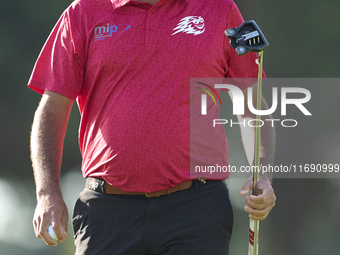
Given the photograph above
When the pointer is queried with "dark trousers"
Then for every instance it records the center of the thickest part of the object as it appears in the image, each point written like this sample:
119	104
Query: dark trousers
194	221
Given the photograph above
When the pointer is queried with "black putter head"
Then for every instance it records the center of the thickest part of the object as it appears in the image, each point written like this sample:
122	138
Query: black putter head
247	37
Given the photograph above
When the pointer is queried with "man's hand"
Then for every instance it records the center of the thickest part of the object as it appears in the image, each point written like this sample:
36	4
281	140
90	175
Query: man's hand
259	206
51	210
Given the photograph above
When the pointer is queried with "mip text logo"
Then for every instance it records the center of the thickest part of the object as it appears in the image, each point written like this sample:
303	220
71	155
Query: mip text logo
102	32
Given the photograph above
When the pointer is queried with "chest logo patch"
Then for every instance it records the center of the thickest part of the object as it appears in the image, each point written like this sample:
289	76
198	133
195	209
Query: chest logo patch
106	30
190	25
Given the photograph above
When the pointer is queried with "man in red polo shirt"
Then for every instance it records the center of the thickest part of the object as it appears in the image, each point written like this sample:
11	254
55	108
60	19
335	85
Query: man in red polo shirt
128	63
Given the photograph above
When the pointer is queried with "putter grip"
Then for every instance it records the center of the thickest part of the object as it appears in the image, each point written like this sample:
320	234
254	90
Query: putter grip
253	247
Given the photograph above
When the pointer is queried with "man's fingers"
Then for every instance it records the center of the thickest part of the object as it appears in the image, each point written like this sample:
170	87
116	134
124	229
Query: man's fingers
267	194
51	210
260	202
259	206
267	191
64	221
257	214
36	223
246	187
58	230
244	192
41	222
269	204
48	240
59	225
43	234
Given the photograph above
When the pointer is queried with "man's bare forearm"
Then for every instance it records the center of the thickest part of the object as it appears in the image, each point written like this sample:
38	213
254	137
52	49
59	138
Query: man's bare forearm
48	132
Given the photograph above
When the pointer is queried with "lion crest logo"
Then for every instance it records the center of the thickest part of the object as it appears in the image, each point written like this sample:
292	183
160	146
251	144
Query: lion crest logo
190	25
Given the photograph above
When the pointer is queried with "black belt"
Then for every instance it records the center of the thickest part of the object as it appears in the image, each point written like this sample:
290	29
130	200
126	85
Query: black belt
99	185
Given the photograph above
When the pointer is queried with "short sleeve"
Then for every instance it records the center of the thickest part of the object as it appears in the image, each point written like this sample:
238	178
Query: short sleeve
245	66
60	65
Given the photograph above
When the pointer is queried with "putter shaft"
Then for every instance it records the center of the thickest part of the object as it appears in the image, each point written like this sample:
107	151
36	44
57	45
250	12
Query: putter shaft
256	174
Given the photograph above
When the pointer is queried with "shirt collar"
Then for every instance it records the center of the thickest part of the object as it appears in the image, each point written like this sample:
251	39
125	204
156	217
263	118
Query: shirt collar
119	3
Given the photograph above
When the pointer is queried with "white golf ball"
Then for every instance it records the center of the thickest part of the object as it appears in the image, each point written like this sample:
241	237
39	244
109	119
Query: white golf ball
50	231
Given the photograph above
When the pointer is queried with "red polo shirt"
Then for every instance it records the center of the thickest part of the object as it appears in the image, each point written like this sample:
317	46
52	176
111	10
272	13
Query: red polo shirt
128	64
